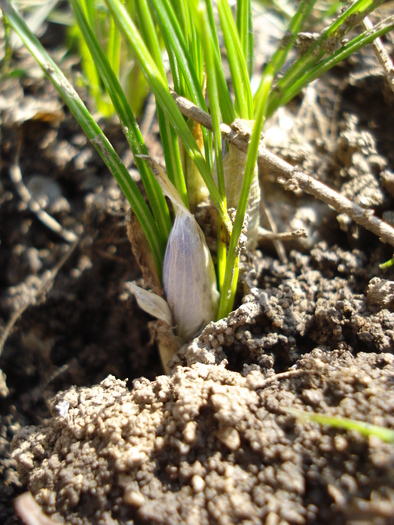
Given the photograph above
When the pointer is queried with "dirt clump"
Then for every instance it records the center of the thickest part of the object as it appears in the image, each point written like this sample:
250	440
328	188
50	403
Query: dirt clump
208	445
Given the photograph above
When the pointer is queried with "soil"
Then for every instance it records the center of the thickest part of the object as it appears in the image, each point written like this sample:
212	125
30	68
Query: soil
91	426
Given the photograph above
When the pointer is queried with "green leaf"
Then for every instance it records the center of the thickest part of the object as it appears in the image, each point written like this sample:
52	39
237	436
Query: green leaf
226	105
186	79
150	44
129	125
175	41
160	89
237	62
333	34
245	31
204	30
341	54
280	55
90	127
366	429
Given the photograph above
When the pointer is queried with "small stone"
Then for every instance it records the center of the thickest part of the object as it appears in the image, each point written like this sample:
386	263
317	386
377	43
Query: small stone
380	293
229	437
189	432
133	497
198	483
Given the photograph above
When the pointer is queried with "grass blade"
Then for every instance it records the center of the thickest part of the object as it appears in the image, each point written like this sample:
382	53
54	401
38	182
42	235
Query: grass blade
129	125
193	42
160	89
323	66
175	41
226	105
168	135
204	30
113	51
279	57
237	62
180	59
366	429
245	31
334	33
230	282
90	127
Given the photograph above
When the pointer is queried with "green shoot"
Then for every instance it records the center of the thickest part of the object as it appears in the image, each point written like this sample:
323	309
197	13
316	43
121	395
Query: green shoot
237	61
245	31
341	54
168	135
129	124
159	87
329	37
366	429
231	273
386	265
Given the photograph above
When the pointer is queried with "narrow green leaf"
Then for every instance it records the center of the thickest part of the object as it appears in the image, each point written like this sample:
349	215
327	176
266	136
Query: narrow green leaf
160	89
232	265
182	67
90	127
168	135
174	40
366	429
237	62
341	54
114	47
129	125
195	47
334	33
280	55
230	282
204	30
245	31
387	264
226	105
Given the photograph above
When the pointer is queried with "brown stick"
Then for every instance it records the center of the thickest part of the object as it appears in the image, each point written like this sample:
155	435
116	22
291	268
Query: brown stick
266	235
30	512
382	55
289	176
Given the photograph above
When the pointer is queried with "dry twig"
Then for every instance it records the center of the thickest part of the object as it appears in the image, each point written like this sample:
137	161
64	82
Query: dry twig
16	177
282	375
289	176
30	512
266	217
382	55
267	235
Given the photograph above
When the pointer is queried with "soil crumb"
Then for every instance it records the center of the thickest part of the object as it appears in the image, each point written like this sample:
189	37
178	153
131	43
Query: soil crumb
211	446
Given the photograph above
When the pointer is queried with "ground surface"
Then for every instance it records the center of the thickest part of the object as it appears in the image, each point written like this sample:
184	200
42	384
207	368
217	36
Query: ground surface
213	442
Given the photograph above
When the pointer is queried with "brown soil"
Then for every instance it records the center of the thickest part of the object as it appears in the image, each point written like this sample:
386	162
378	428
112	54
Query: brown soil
212	443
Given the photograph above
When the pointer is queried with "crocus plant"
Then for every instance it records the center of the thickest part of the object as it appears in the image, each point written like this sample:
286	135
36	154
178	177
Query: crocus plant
191	292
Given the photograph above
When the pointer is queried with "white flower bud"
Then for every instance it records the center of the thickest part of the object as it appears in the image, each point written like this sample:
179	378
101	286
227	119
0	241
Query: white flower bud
189	278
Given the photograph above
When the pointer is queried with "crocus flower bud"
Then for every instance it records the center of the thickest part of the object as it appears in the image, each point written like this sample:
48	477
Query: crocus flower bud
189	278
